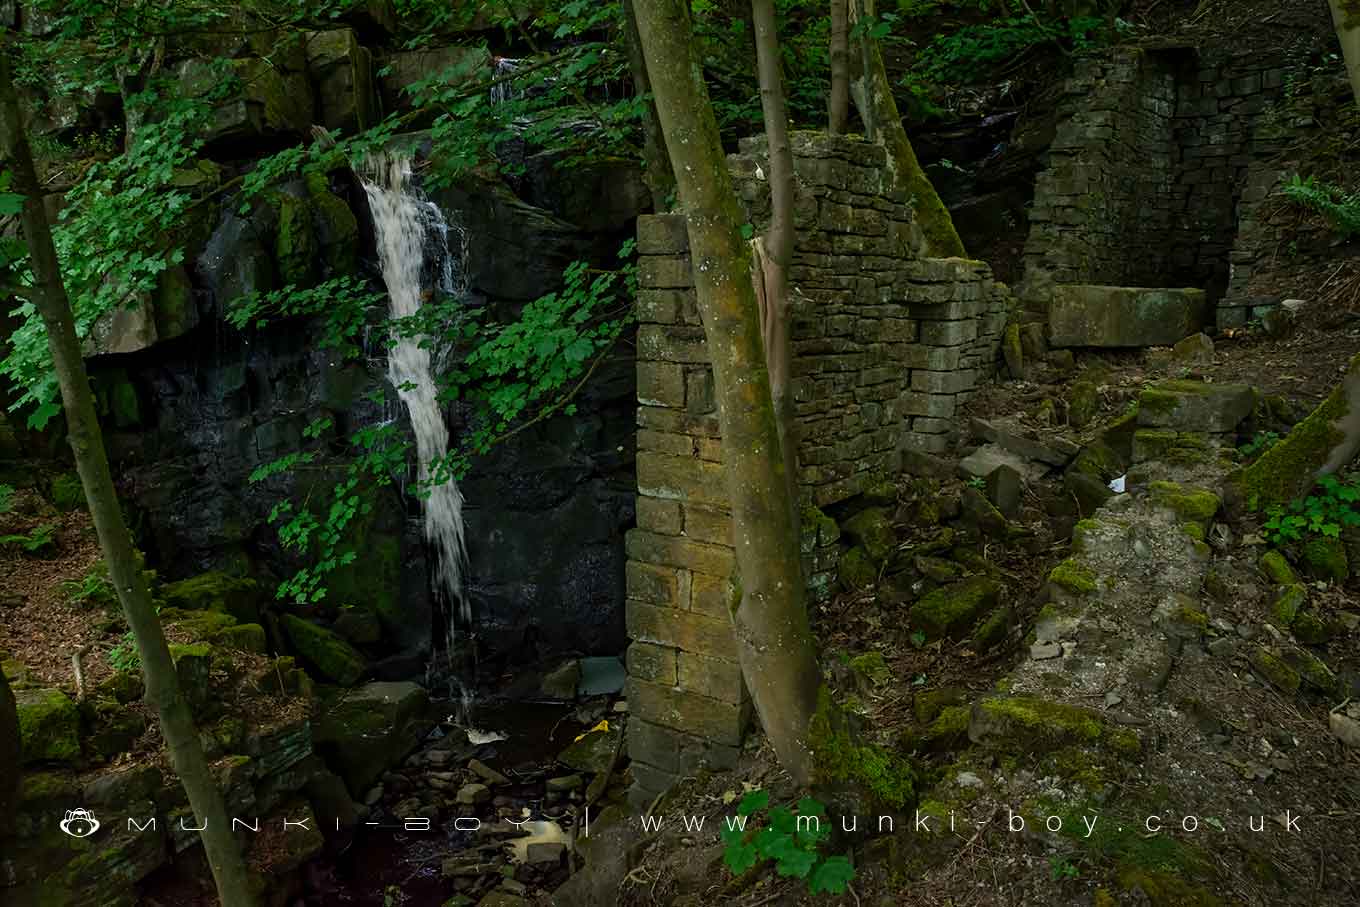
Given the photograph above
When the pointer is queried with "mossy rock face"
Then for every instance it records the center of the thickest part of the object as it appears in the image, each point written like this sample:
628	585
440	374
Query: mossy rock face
856	569
337	229
49	726
1312	630
1013	352
1311	670
980	512
1083	403
111	728
193	667
123	686
1289	467
1033	725
1288	603
1073	576
243	638
994	630
201	625
1274	565
1273	669
1197	505
1163	889
216	591
955	609
1325	559
328	652
67	493
930	703
370	729
1100	461
872	530
888	777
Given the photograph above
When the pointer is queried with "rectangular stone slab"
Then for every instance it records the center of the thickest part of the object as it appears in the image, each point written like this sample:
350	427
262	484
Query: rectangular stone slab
1123	317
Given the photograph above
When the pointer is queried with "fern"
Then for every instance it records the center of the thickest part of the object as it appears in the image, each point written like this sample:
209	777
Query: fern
1339	207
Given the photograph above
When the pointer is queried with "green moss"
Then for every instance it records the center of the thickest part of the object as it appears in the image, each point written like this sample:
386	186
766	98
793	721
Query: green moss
215	591
201	625
49	726
1310	629
1191	504
954	609
839	758
993	630
1274	565
337	227
1073	576
1288	468
871	666
1194	530
872	530
67	492
1325	558
1099	460
1080	765
1083	403
1163	889
243	638
1288	602
818	529
1032	724
329	653
1274	670
856	569
295	247
1312	670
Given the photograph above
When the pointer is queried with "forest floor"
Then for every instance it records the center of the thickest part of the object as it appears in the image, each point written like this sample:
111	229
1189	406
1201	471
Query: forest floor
1218	741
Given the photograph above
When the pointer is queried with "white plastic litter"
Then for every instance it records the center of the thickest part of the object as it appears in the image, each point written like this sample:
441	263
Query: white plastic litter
1117	485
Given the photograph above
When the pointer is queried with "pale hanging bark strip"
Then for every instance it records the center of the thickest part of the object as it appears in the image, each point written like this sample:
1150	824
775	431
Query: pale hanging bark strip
87	443
839	104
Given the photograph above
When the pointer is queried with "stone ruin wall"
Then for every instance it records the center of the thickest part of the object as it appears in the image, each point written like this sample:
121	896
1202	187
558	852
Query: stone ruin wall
1160	165
887	346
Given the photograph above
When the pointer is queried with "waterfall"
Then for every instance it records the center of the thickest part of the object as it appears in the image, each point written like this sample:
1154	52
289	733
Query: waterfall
413	251
505	67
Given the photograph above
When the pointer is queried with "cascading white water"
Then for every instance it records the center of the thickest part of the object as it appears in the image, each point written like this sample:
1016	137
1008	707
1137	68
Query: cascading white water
406	227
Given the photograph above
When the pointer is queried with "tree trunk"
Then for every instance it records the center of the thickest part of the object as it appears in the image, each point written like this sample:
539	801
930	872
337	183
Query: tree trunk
1346	15
162	685
9	757
774	250
656	164
873	97
840	67
1319	445
770	619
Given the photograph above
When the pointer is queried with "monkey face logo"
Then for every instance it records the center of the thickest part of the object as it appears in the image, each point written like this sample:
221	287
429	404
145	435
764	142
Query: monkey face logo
79	823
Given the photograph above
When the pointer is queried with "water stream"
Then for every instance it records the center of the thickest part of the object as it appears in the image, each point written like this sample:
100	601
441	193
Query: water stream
413	250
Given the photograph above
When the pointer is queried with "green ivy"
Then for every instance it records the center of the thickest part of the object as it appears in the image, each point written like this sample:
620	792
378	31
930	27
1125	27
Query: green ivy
1331	508
791	841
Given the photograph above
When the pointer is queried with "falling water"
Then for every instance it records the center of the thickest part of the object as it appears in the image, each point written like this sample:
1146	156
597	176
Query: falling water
406	227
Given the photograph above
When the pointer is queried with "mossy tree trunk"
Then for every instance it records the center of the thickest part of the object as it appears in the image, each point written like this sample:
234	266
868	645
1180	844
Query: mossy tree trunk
656	163
9	756
1319	445
48	294
774	249
1346	15
770	617
839	103
873	96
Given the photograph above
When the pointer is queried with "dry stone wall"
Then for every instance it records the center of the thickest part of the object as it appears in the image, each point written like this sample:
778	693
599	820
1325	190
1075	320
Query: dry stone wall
1159	155
887	345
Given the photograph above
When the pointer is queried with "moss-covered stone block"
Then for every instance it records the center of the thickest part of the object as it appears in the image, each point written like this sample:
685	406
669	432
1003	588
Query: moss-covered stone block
242	638
110	727
1013	352
1195	406
193	667
980	512
818	530
1029	724
1311	670
1083	403
49	726
295	244
1324	558
1311	629
872	530
1288	603
928	704
1272	669
337	229
215	591
1189	503
1274	565
327	652
856	569
840	758
1073	576
953	610
994	629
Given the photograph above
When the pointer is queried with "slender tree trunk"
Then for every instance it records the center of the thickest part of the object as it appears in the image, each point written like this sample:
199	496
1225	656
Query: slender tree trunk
778	659
1319	445
9	757
840	67
1346	15
162	685
873	96
774	249
656	163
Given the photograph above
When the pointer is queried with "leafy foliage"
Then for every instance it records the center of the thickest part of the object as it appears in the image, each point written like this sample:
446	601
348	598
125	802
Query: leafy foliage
35	541
1261	442
123	657
1331	508
92	590
340	303
792	841
6	498
1339	207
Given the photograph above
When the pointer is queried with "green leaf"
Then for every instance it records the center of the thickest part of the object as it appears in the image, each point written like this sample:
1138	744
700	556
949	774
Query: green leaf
753	801
832	876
